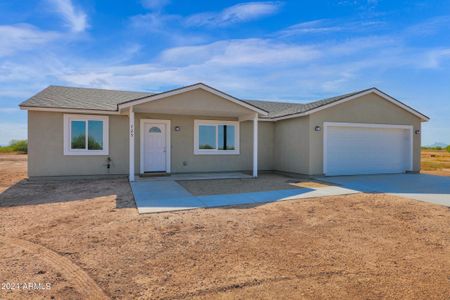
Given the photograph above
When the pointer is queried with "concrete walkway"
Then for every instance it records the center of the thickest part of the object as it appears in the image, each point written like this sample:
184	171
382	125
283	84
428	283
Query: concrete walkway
168	195
422	187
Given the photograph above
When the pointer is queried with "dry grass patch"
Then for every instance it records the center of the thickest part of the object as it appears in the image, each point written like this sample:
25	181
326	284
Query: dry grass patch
436	162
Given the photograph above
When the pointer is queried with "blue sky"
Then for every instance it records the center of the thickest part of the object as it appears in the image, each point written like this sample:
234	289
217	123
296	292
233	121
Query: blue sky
279	50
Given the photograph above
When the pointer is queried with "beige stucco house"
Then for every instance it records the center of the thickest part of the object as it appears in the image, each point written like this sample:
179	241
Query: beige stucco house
81	131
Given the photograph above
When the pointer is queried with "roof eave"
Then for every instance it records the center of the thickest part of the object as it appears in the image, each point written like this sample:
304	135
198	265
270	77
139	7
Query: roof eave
69	110
421	116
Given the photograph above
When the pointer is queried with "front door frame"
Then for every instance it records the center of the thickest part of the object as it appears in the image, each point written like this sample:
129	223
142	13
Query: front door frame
141	140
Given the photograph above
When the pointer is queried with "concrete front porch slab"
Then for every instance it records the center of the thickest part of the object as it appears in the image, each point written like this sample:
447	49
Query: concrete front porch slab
250	198
167	195
196	176
171	204
158	196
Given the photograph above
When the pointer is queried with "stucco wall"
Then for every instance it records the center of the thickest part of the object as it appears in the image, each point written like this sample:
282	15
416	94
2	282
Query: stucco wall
370	108
182	146
46	148
196	102
291	145
46	142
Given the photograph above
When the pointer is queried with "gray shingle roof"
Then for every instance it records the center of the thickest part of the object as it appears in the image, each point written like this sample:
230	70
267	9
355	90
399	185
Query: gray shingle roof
81	98
108	100
281	109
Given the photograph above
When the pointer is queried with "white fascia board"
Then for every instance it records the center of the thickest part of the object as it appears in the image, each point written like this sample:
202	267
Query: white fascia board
70	110
366	125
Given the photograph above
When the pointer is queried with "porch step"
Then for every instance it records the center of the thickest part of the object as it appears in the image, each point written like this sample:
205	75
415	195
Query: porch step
154	174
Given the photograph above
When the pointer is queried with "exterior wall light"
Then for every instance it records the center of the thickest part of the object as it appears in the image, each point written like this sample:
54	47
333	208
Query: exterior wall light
417	131
317	128
177	128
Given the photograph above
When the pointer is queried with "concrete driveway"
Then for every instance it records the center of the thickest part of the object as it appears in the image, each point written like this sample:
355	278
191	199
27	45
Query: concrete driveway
422	187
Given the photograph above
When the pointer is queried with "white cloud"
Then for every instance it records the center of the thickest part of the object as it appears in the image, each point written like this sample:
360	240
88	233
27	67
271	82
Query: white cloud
225	63
238	13
154	22
167	28
155	4
75	18
244	52
20	37
248	67
435	57
12	131
255	67
324	26
430	26
8	109
316	26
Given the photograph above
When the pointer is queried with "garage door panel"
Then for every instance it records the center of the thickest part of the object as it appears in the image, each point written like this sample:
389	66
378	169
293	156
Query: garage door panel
351	150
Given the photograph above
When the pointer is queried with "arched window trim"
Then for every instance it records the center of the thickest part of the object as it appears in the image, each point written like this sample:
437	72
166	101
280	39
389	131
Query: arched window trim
154	129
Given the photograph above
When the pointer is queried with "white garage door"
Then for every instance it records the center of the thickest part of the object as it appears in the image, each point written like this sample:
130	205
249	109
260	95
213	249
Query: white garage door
351	149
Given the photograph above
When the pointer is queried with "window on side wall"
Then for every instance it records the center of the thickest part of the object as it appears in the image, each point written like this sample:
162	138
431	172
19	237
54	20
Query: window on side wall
216	137
85	135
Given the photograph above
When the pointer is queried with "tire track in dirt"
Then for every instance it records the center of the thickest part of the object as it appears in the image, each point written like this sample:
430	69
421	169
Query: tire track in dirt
226	288
82	282
247	284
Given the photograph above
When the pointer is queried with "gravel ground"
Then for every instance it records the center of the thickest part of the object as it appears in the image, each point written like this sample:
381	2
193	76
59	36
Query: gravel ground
86	237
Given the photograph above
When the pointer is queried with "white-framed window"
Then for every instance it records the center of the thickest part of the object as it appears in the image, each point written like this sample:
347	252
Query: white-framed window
85	135
216	137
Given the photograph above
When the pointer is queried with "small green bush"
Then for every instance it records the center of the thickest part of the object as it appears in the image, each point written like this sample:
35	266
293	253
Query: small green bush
20	146
448	148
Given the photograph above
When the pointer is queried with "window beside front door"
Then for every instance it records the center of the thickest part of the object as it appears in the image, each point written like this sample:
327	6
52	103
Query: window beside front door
85	135
216	137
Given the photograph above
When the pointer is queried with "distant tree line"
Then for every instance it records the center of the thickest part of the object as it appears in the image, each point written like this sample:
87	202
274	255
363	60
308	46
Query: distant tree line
439	148
19	146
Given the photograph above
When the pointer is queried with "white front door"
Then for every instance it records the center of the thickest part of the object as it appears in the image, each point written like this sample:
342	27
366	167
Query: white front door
155	147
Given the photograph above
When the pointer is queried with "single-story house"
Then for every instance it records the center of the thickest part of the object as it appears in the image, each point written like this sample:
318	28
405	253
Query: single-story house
197	128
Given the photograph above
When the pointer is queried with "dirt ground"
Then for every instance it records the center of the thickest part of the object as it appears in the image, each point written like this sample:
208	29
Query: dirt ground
436	162
12	169
85	238
265	182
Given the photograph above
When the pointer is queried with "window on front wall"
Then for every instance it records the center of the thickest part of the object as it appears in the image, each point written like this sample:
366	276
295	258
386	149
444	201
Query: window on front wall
216	137
85	135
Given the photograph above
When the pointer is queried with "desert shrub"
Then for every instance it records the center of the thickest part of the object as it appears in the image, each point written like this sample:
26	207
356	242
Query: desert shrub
20	146
448	148
5	149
